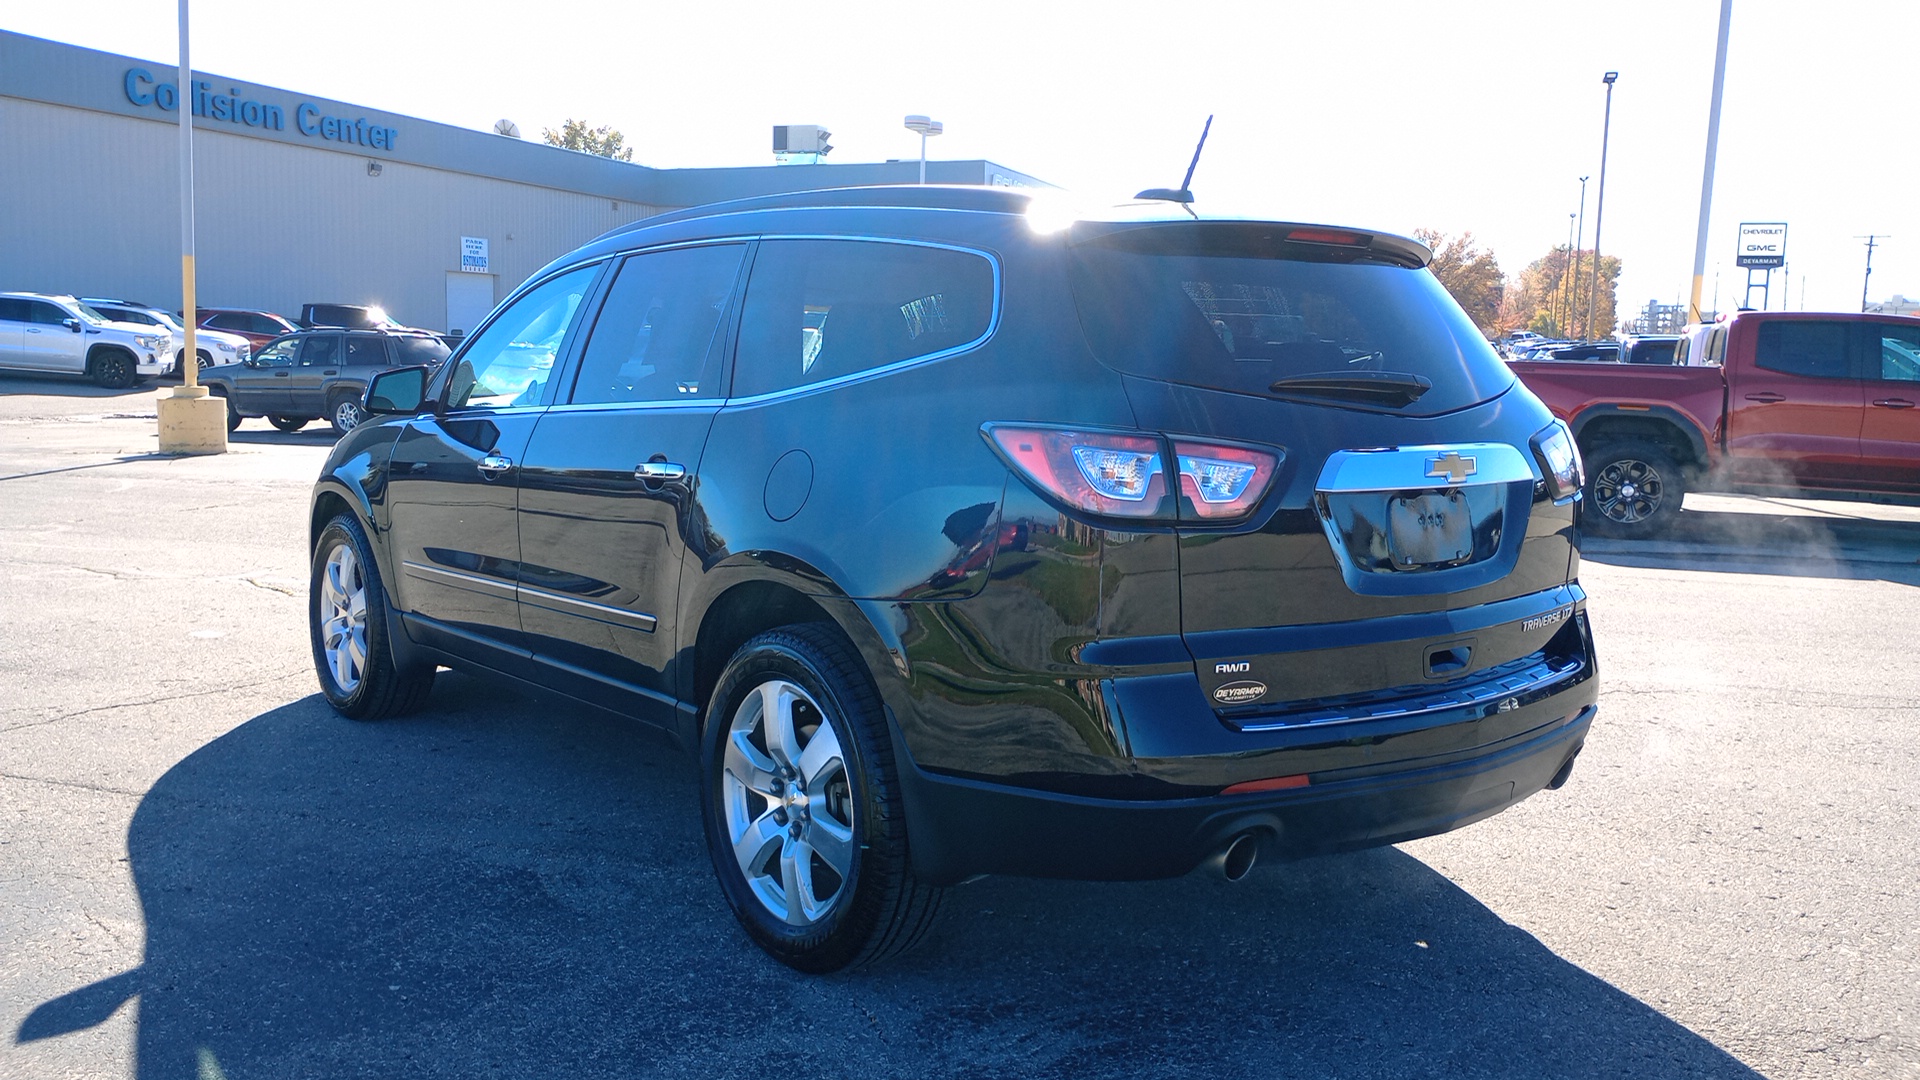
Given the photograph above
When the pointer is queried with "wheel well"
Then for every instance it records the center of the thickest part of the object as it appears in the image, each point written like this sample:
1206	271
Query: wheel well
740	614
100	350
1662	433
328	506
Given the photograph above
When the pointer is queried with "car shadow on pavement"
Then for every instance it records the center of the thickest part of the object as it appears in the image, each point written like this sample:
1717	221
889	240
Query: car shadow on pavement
312	435
1849	542
15	382
499	887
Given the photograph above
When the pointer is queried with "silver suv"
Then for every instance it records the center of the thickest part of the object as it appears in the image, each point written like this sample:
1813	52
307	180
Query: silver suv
212	347
61	335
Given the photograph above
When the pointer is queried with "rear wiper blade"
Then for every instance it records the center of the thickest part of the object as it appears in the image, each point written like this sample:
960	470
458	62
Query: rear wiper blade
1393	389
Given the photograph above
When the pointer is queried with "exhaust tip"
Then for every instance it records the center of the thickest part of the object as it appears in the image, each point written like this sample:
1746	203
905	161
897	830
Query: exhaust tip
1235	861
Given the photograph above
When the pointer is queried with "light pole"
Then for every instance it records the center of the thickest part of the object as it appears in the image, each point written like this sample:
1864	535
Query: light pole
191	422
1600	201
1706	175
1579	240
1565	292
925	127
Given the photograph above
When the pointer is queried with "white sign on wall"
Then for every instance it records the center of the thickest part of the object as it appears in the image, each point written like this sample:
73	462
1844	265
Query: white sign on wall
1763	245
473	254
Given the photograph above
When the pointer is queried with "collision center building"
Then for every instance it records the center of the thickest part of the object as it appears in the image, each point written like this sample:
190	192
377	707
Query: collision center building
303	199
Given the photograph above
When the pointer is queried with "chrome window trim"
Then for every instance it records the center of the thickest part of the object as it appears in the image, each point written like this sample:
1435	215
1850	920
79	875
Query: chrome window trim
993	320
569	605
635	406
1403	468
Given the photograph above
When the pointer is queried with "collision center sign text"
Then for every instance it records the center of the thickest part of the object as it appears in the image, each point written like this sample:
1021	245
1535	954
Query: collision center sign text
143	89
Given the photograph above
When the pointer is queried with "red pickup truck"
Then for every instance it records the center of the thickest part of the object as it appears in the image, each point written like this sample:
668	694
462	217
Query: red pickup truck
1787	402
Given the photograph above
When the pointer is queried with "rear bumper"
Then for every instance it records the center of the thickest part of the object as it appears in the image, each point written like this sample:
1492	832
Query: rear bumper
963	827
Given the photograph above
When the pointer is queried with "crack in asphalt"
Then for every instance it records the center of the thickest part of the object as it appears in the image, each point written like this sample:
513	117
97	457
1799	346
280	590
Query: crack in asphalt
297	672
99	788
271	587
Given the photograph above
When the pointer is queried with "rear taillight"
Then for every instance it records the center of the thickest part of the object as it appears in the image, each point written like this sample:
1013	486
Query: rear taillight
1559	460
1124	474
1221	483
1099	472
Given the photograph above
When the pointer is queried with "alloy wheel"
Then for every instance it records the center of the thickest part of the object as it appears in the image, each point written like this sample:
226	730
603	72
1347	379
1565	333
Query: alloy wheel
343	611
346	415
788	803
1628	491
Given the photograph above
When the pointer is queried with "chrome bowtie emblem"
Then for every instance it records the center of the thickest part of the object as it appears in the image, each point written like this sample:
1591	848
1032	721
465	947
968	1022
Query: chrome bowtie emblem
1452	466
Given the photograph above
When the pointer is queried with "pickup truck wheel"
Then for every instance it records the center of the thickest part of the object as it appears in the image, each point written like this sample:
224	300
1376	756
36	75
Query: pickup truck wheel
802	805
344	413
112	369
1634	490
288	424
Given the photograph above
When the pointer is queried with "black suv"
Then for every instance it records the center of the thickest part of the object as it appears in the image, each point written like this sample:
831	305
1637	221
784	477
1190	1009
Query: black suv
962	538
299	378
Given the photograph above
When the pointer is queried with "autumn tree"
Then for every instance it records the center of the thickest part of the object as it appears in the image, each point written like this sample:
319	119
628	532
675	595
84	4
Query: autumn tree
1470	275
1551	296
576	135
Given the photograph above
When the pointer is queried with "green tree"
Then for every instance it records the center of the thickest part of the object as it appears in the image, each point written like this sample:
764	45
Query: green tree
576	135
1470	275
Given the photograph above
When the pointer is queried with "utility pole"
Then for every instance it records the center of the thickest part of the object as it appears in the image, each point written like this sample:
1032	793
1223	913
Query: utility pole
1706	177
1600	201
1565	292
1870	239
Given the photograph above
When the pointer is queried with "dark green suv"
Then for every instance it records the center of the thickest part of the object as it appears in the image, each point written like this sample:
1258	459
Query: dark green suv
316	374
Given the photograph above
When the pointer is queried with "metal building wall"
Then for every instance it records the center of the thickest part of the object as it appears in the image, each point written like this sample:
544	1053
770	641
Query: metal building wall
279	224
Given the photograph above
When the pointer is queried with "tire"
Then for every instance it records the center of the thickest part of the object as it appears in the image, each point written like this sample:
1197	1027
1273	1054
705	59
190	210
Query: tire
233	414
112	369
288	424
347	624
1634	490
344	413
203	360
836	817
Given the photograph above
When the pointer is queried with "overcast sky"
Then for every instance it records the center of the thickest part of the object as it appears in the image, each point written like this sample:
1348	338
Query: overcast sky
1456	116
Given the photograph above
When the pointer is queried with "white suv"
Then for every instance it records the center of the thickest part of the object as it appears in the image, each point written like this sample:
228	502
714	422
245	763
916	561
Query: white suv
213	347
61	335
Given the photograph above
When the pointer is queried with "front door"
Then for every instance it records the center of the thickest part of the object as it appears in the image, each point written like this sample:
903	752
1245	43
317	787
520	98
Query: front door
50	344
1794	416
260	387
454	477
608	497
1890	427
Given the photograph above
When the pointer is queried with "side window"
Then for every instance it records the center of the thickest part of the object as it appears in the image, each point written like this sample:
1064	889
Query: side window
227	322
510	362
1716	347
1815	350
1680	350
320	349
366	350
1898	358
278	354
12	310
654	337
822	309
39	311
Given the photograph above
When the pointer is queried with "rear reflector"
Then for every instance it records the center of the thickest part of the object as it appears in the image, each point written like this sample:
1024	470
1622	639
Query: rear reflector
1277	783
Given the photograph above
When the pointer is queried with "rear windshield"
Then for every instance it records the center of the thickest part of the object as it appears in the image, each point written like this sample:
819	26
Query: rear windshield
420	351
1230	306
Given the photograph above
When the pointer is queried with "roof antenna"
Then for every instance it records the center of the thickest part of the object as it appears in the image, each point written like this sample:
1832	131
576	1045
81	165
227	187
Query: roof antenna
1185	194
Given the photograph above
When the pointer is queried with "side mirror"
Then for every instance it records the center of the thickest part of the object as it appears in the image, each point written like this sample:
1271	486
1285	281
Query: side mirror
400	392
71	324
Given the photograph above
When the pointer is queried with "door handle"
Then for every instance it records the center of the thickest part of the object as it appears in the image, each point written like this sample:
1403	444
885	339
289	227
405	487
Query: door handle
1894	403
330	372
494	466
659	472
1767	398
280	374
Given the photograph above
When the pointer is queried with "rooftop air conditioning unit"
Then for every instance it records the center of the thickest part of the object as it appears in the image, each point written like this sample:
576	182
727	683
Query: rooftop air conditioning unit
800	139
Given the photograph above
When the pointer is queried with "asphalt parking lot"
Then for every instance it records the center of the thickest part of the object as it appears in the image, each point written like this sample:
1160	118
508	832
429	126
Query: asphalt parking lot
205	873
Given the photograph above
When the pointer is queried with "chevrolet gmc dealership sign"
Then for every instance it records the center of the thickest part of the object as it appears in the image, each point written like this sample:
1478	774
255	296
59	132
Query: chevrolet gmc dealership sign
1763	245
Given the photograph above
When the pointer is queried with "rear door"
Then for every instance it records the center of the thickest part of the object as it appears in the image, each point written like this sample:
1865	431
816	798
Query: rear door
453	478
13	332
1890	427
1794	403
608	490
319	361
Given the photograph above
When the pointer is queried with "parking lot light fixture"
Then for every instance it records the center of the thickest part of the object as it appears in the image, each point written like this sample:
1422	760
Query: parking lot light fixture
925	127
1600	202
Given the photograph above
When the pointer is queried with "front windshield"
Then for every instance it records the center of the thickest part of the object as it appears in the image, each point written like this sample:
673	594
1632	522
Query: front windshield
91	315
